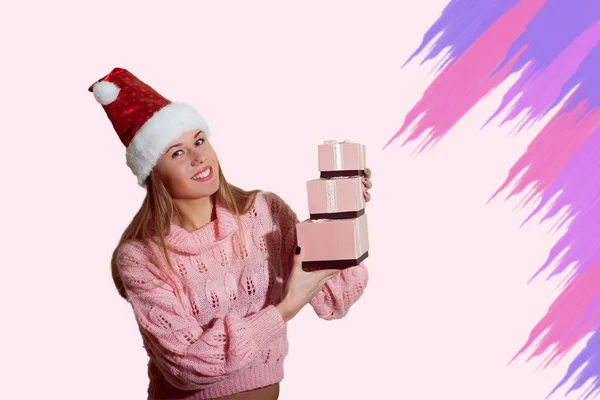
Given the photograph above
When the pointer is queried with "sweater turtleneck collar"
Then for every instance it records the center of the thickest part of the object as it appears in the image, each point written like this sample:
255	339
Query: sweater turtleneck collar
197	241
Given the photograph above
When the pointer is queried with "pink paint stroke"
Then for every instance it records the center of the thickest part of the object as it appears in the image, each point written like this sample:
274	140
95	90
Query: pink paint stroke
556	146
441	106
542	89
568	319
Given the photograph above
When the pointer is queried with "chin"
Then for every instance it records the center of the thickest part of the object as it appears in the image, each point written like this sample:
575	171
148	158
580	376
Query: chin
213	189
206	190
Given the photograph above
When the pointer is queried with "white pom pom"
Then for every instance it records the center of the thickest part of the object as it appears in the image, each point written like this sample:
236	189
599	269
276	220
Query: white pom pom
105	92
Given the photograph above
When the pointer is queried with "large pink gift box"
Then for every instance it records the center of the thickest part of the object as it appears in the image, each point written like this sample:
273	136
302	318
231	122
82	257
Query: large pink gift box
335	198
333	244
341	159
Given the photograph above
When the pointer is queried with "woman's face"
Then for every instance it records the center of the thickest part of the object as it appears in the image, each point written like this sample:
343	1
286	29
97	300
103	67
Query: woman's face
189	168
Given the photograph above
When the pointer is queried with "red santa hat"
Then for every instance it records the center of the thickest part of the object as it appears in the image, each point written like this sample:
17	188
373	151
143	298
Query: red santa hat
145	121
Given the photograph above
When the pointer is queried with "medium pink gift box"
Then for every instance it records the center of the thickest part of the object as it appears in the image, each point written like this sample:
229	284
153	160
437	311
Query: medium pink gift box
341	159
335	198
335	244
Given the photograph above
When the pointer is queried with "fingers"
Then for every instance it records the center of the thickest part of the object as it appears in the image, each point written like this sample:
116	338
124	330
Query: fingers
325	274
298	258
321	274
367	183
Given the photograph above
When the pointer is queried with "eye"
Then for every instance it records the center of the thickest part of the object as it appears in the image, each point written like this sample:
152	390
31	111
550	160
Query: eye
199	140
175	154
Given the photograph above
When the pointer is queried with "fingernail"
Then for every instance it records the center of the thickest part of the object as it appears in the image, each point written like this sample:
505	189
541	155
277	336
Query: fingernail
368	170
366	179
297	250
367	192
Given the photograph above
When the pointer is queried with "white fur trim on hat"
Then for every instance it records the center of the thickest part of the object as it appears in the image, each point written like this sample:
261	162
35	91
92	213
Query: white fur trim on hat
153	138
105	92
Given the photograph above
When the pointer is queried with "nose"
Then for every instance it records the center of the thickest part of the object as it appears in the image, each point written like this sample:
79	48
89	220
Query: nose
198	159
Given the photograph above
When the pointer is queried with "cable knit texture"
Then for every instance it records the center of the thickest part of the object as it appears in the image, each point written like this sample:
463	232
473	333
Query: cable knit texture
217	332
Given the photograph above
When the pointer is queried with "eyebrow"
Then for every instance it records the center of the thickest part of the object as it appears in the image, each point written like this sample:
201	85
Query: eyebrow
179	144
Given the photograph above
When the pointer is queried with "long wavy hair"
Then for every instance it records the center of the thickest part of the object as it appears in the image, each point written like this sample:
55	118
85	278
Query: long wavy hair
154	218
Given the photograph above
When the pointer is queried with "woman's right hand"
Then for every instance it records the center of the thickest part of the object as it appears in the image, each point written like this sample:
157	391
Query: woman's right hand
301	287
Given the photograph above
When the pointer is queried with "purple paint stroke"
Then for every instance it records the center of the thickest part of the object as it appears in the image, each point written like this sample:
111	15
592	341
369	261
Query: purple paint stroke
571	317
548	153
568	320
461	23
589	363
588	79
467	79
576	312
551	30
541	89
590	316
556	49
579	187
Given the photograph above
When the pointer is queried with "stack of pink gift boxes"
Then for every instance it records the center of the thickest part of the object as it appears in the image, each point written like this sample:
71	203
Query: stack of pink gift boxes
336	235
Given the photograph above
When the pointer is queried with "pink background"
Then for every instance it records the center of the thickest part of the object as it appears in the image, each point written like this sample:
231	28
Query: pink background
438	320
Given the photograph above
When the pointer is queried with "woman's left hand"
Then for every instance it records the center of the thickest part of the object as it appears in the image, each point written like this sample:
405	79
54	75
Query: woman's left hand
367	183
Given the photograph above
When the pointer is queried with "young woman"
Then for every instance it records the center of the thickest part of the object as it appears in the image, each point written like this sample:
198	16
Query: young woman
212	272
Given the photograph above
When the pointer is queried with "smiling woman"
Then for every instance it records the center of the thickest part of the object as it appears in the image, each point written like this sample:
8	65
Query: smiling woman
212	272
187	163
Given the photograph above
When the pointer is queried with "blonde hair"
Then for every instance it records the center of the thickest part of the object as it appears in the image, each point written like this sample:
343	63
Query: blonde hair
154	218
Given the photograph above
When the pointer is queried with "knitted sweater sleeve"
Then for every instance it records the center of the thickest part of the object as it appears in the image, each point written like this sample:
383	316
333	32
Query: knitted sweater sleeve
338	293
190	356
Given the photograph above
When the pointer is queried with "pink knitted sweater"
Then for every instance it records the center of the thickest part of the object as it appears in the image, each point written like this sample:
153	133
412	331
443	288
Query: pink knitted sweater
218	333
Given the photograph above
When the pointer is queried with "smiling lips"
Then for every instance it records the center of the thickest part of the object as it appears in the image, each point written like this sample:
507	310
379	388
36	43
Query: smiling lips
203	175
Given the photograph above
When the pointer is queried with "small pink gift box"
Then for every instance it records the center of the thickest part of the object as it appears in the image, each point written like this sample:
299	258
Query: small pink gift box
333	244
335	198
341	159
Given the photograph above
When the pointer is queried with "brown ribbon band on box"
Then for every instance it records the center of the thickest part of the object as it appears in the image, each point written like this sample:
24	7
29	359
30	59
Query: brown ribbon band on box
333	264
341	174
338	215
